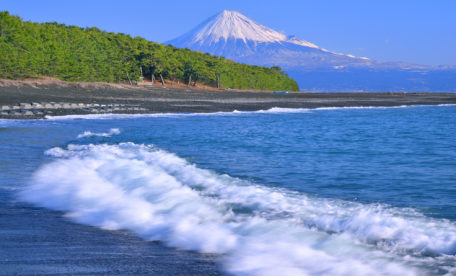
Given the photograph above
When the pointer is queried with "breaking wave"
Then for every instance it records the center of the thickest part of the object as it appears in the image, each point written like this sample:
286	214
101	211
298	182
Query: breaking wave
154	115
112	131
257	230
273	110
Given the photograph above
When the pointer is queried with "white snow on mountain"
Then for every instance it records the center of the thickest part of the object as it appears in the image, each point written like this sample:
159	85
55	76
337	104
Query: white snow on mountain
231	24
234	25
237	37
298	41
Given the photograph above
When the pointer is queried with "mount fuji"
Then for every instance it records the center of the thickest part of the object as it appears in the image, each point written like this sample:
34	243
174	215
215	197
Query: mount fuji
234	36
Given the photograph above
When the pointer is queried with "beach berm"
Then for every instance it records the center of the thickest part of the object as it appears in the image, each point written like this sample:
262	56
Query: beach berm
32	99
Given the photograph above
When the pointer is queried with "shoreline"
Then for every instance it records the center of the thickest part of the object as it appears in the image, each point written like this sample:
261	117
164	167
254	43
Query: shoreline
274	110
36	100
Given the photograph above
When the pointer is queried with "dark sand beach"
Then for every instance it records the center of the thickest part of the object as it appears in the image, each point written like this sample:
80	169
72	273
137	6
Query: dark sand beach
99	98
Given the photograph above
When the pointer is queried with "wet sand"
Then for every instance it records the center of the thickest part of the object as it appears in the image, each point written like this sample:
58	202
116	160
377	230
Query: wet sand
157	99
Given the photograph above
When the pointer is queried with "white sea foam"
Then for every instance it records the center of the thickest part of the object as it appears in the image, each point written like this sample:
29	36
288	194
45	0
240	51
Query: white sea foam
273	110
155	115
112	131
284	110
130	116
259	230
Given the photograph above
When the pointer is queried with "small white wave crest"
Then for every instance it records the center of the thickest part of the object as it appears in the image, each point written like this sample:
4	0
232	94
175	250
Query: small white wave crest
158	115
260	230
273	110
112	131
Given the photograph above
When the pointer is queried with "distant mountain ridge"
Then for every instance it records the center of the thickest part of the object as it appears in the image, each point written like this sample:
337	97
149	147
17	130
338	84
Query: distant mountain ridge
234	36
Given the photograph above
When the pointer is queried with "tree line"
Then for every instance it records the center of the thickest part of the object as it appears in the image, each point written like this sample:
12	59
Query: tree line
71	53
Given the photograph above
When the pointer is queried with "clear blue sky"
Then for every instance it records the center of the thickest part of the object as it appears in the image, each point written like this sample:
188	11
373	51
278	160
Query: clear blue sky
416	31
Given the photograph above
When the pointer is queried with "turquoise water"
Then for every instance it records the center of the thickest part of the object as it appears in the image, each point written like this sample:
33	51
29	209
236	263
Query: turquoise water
354	191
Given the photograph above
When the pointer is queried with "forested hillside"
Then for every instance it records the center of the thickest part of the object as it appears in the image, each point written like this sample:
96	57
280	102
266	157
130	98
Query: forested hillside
71	53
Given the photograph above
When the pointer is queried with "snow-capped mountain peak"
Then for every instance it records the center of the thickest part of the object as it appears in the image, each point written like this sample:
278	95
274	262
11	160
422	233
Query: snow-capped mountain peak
234	25
235	36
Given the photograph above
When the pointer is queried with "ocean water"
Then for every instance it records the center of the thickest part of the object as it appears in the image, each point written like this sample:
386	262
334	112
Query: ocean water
332	191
